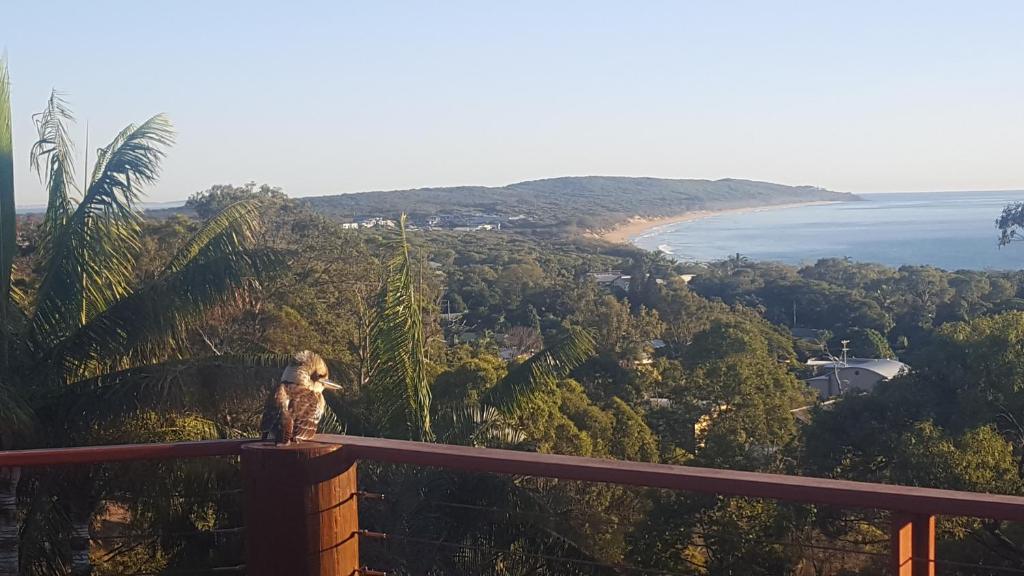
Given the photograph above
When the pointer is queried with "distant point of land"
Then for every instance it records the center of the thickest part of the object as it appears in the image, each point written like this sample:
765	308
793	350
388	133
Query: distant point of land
598	204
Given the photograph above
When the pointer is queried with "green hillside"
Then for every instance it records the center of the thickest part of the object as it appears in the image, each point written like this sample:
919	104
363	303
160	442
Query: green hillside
594	202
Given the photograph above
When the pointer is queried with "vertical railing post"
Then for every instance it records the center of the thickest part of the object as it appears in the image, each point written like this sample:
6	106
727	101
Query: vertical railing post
912	544
299	521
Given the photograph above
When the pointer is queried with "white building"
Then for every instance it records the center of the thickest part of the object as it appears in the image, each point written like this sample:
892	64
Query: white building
836	377
607	277
659	402
377	222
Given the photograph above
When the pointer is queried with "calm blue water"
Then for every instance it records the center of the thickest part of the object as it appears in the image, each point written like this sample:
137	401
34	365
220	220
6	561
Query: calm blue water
951	230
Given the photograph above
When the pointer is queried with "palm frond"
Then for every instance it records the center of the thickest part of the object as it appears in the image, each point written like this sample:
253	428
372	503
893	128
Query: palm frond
45	543
8	222
151	324
52	157
136	152
229	231
480	426
17	419
556	361
202	386
398	379
93	261
332	423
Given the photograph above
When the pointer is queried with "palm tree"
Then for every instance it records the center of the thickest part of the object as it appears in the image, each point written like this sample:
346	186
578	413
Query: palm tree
395	402
10	412
396	399
398	360
93	339
736	262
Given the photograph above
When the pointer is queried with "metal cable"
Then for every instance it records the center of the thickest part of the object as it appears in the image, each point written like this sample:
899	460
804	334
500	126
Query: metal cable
193	572
482	548
144	535
702	534
972	565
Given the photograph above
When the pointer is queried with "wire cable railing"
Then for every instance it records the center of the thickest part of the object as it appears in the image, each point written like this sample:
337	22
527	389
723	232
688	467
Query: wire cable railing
392	549
175	522
875	550
135	518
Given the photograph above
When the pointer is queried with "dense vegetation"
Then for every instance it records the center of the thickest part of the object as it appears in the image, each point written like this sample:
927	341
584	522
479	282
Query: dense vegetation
591	202
121	328
729	368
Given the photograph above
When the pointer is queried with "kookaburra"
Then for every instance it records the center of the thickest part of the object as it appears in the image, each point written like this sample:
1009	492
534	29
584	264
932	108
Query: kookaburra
296	404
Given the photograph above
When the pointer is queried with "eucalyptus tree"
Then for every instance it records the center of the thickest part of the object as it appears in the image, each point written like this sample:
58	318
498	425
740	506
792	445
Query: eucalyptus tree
1011	223
92	340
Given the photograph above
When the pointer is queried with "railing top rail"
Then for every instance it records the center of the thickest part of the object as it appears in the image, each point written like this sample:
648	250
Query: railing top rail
844	493
119	453
804	489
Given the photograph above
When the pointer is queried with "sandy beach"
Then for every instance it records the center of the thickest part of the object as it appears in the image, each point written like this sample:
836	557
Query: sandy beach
638	226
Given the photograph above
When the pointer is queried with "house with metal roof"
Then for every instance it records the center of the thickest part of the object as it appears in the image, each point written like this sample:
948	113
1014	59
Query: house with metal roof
838	376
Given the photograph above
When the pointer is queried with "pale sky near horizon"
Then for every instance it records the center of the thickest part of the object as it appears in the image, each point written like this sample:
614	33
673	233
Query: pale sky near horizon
331	97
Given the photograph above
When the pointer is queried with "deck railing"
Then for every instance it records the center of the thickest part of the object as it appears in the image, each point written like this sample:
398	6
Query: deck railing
301	500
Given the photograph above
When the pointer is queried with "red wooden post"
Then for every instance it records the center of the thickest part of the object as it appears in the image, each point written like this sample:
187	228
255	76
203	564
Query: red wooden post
912	539
299	520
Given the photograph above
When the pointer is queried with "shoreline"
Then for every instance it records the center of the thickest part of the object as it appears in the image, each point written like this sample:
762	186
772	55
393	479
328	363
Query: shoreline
626	232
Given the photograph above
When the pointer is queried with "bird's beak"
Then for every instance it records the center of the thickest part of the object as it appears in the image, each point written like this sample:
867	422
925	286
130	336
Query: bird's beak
330	385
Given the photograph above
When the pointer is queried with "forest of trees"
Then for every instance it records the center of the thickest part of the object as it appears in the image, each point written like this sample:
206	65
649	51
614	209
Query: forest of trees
120	328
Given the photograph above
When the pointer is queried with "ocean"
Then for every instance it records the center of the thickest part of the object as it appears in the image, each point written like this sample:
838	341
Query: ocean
950	230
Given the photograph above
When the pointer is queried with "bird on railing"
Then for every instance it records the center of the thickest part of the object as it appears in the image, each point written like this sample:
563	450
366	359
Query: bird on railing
296	404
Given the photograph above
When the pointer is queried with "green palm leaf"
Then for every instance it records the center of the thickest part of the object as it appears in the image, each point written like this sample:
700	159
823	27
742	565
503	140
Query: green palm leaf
93	259
194	385
16	418
227	232
151	324
8	223
401	391
52	158
544	368
135	153
479	426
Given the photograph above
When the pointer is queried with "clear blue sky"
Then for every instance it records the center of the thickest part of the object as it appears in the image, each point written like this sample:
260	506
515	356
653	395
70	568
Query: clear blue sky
329	97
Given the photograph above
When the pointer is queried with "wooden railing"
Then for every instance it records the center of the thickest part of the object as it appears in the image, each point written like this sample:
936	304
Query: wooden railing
302	510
